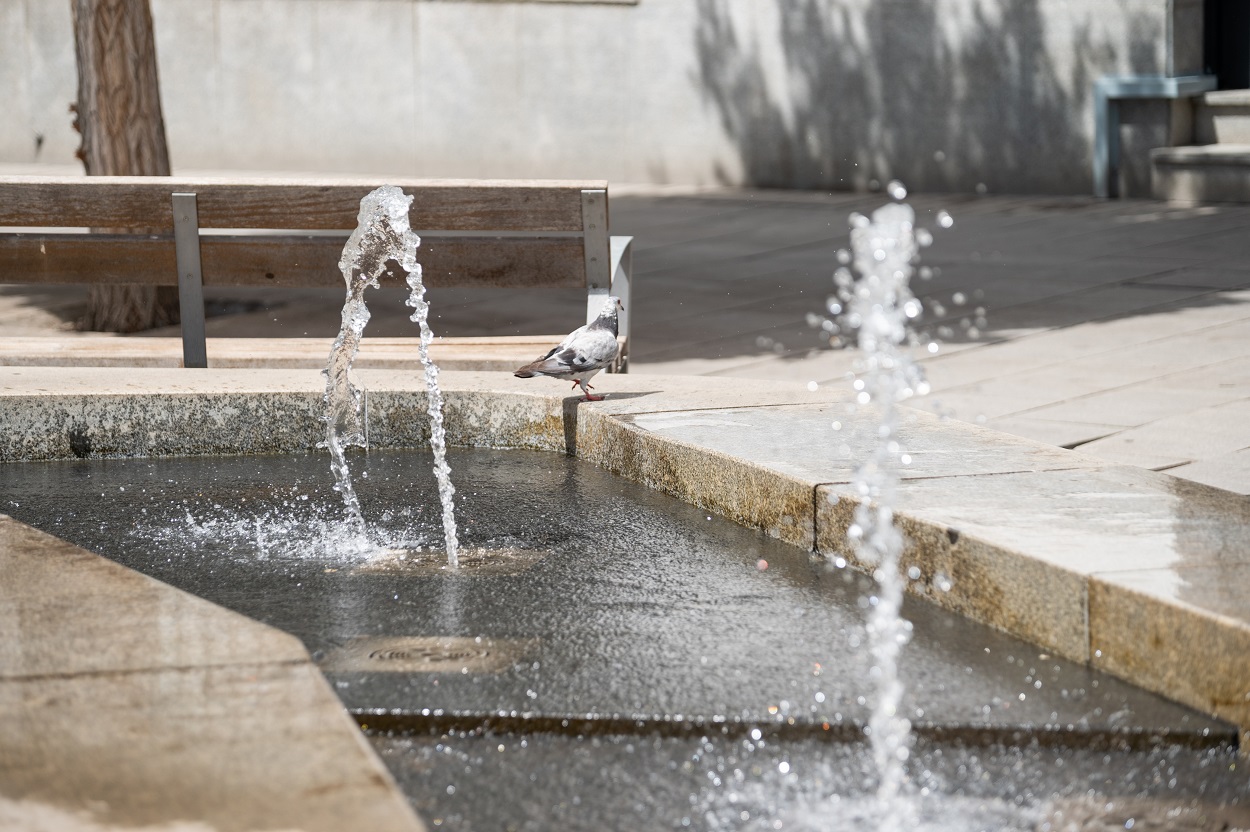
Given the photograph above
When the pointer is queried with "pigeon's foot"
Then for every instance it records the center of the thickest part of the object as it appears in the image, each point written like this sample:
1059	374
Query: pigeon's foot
591	397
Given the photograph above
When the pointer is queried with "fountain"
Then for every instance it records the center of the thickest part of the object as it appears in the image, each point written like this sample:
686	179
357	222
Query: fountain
382	235
656	666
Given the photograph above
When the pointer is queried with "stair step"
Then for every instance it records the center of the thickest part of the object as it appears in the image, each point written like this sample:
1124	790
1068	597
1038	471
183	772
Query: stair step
1223	117
1227	98
1201	173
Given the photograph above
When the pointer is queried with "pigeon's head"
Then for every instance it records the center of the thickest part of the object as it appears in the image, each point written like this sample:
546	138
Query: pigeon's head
610	306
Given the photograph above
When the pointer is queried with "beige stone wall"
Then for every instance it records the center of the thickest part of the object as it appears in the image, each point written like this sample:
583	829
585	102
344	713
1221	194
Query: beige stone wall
944	94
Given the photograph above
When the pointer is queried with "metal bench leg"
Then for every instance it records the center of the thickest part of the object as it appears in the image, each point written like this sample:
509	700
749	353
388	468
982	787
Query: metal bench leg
190	280
622	259
1106	143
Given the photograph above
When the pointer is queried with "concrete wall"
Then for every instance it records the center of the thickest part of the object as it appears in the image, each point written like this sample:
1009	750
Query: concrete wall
944	94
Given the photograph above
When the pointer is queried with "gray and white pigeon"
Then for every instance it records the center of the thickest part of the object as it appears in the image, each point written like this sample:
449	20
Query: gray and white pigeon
584	352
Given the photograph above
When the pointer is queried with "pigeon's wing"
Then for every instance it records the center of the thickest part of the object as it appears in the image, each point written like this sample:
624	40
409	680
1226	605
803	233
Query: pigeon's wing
585	350
549	364
593	350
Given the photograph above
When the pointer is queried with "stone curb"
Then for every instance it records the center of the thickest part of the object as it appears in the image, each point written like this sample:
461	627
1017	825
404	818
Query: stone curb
127	703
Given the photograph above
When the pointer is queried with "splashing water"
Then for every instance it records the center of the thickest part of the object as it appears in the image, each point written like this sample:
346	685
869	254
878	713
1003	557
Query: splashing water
878	306
382	233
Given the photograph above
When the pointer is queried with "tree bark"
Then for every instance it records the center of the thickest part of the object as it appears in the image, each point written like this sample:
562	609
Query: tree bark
123	134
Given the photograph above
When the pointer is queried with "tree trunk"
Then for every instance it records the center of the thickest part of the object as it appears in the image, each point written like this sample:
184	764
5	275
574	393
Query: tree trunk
123	134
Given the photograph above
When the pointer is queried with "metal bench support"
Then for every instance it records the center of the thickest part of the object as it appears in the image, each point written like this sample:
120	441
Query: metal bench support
609	266
622	249
190	280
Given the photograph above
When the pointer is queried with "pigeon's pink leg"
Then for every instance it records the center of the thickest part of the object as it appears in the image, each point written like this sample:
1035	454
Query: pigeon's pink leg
589	397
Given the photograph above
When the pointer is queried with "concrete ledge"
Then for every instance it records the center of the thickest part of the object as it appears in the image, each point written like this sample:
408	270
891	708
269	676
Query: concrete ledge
1063	550
126	703
94	350
1201	173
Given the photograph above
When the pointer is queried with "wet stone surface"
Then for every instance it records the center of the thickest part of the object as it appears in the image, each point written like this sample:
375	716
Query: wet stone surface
638	614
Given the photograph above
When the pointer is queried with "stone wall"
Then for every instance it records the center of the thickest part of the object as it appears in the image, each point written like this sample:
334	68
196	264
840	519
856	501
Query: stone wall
943	94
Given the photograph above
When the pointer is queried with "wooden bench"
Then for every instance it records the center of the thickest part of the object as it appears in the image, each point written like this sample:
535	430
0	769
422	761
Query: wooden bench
290	233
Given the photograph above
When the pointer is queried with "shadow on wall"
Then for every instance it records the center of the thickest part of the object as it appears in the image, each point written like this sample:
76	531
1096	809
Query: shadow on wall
879	92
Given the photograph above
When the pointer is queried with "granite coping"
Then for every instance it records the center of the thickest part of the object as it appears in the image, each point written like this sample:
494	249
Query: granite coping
1078	556
126	703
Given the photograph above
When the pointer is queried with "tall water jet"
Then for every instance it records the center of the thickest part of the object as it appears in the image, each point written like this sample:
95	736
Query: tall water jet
382	234
878	307
438	436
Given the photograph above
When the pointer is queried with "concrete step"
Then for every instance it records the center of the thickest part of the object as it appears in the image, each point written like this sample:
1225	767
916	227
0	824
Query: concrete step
1201	173
1223	117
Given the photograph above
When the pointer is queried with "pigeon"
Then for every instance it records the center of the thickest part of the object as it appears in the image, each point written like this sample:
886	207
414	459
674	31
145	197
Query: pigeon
583	352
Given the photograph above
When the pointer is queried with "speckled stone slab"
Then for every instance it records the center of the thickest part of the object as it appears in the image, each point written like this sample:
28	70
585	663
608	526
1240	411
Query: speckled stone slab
126	703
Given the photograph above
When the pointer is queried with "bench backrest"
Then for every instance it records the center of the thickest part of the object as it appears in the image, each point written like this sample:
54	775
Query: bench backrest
290	232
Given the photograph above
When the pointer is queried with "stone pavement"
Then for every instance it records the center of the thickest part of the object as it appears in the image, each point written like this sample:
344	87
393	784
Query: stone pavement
1122	328
1119	327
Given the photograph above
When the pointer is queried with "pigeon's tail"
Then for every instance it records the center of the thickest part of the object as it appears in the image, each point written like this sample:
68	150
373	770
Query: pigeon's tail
525	372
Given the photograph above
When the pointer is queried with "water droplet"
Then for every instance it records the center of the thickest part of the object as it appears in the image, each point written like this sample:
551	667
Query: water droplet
982	189
959	298
761	564
813	386
945	220
897	190
923	238
939	156
783	767
844	256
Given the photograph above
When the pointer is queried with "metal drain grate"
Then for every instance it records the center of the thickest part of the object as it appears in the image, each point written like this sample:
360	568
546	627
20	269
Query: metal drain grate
432	654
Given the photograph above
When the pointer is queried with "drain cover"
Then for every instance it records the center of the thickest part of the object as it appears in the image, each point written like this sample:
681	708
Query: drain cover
474	561
432	654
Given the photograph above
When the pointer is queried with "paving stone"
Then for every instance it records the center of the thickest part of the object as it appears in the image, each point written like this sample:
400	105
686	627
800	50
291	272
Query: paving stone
1134	405
127	703
1206	433
1065	434
122	621
238	747
1229	471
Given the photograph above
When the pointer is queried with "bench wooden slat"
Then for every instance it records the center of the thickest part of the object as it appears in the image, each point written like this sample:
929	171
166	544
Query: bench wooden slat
283	260
144	202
